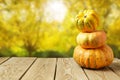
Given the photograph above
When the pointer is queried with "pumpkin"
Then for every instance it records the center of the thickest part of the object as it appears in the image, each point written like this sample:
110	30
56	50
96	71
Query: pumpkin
87	20
91	40
93	58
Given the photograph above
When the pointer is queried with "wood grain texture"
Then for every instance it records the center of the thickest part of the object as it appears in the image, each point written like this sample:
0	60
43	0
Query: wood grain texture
115	66
17	68
42	69
101	74
68	69
2	59
14	68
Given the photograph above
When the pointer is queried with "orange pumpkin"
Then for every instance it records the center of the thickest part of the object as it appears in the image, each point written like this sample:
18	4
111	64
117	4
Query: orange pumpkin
87	20
93	58
91	40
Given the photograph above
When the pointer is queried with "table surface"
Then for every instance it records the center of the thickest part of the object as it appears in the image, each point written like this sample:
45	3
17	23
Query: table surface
32	68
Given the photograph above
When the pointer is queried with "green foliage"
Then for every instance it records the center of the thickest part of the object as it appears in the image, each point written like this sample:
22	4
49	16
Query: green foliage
25	32
114	36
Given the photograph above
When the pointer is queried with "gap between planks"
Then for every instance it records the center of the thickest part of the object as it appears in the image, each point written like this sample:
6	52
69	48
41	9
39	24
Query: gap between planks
67	64
55	68
115	66
14	68
42	69
27	69
111	72
3	59
68	69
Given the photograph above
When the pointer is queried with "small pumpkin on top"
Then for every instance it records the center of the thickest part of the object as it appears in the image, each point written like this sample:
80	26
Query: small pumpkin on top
87	20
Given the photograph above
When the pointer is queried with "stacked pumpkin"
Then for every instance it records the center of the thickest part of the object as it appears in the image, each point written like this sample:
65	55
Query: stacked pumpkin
92	51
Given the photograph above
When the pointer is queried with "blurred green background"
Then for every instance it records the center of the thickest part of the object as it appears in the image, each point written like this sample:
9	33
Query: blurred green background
46	28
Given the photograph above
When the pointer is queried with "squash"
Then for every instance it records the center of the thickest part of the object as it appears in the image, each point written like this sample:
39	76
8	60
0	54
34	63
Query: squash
91	40
87	20
93	58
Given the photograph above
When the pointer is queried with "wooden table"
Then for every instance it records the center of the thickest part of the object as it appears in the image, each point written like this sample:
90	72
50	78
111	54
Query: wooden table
25	68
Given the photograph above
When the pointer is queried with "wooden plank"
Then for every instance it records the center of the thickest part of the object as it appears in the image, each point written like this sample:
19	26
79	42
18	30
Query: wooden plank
14	68
2	59
42	69
102	74
115	66
68	69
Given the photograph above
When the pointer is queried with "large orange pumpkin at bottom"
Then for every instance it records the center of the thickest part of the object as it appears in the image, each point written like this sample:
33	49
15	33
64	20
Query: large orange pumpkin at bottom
93	58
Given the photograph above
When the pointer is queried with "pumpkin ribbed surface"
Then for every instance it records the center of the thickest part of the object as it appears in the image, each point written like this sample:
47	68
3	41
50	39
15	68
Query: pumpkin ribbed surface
93	58
91	40
87	20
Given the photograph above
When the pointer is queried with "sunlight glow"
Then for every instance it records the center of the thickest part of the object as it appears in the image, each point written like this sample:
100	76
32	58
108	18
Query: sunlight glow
55	11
